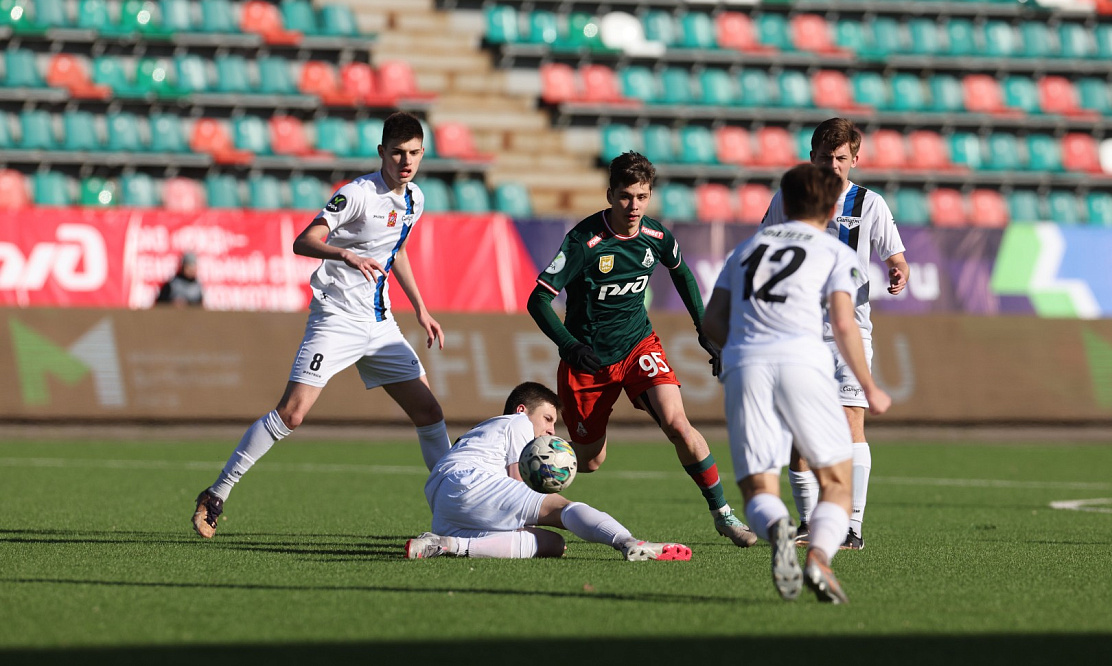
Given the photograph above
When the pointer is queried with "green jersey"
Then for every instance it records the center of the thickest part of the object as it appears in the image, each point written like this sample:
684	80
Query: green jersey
606	277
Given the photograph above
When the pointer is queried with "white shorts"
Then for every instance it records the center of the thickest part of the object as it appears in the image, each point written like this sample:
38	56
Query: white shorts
333	342
849	389
473	503
770	405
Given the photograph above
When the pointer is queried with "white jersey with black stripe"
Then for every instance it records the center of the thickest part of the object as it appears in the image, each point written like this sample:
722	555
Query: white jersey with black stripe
862	221
369	219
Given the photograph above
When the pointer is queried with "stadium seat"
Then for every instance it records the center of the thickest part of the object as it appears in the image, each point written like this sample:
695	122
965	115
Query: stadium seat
1023	206
733	145
177	15
299	13
51	189
250	134
264	19
1003	153
923	37
810	32
1000	39
850	34
1075	41
657	143
773	31
717	87
600	86
138	190
947	94
68	71
1103	37
264	192
927	151
1099	207
1044	154
454	141
335	135
210	136
368	135
502	24
660	27
775	147
336	20
37	130
803	143
618	139
756	90
675	87
677	203
13	190
1080	153
638	82
734	30
109	71
831	90
1035	40
542	27
275	77
432	150
910	207
396	79
1063	207
870	89
167	134
307	193
947	208
124	133
143	17
182	195
987	209
697	32
223	191
7	142
960	38
753	201
319	79
471	196
1104	153
156	77
1021	94
886	36
558	83
513	199
97	192
94	15
794	89
51	14
1058	95
231	75
1093	95
714	203
288	137
887	151
907	94
21	70
438	199
192	74
696	145
982	94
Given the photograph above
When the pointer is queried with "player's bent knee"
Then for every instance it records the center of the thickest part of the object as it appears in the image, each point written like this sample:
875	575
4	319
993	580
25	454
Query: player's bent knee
291	418
549	544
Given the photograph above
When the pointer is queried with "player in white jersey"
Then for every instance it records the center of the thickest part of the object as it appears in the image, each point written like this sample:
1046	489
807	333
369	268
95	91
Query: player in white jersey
861	221
360	237
481	507
766	312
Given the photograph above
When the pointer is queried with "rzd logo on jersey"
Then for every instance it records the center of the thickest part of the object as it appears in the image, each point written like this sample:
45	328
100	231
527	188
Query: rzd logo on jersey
77	262
606	263
635	287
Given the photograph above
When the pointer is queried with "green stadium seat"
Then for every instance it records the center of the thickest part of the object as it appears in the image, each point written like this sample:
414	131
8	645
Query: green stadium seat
1075	41
618	139
717	87
37	129
910	207
156	77
51	189
584	32
429	140
21	69
1103	38
513	199
94	15
1003	152
222	191
123	133
803	143
870	89
697	146
638	82
167	134
675	86
697	31
338	21
886	37
1023	206
6	140
1044	153
1035	40
502	25
368	134
960	38
438	199
661	27
264	192
1099	207
139	190
307	192
275	77
923	37
1063	207
217	16
192	74
851	35
231	75
250	133
471	196
756	90
773	30
97	192
51	13
299	14
1020	92
947	95
177	15
109	71
657	143
966	150
1000	39
542	28
336	136
142	16
795	89
907	93
1093	94
677	202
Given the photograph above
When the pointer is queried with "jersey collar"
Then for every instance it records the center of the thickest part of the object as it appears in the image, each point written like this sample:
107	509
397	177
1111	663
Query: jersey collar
615	234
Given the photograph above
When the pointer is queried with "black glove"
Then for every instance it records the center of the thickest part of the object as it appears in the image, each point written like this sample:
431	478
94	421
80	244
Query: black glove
715	354
581	357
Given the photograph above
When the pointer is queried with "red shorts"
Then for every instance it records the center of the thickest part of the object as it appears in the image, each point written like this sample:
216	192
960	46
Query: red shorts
589	399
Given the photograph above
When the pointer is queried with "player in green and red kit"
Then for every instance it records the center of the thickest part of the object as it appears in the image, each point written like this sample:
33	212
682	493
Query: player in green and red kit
607	342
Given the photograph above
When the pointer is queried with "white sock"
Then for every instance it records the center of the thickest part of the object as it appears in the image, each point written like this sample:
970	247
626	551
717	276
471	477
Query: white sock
434	442
763	510
590	524
829	524
862	464
805	492
516	545
255	443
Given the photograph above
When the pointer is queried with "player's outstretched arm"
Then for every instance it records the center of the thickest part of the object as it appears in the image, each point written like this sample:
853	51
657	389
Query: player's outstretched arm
847	335
898	273
577	354
716	320
311	243
404	272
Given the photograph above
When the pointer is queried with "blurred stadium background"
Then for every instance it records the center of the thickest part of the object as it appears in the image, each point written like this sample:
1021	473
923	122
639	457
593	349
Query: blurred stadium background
132	131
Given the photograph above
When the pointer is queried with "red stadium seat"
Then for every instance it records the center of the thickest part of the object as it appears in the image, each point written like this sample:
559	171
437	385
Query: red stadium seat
67	71
735	30
13	190
947	208
1080	153
733	145
600	86
263	18
183	194
988	209
714	203
753	200
1058	95
319	79
928	151
887	151
287	137
831	90
210	136
810	32
454	141
396	79
558	84
982	94
775	147
360	79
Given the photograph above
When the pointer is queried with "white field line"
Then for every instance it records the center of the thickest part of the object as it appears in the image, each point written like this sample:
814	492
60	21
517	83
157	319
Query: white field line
414	470
1091	505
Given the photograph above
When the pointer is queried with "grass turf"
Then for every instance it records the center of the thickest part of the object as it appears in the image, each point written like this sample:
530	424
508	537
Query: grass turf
964	560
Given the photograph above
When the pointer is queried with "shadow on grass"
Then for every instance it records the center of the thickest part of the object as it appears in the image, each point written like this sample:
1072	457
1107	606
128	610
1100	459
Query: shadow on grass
911	650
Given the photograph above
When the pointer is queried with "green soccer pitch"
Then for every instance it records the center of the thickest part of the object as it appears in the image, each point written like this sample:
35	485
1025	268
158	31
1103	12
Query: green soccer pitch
966	561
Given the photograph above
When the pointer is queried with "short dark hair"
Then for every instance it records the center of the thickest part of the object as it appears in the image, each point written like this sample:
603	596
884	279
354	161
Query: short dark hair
401	127
834	133
532	395
809	191
629	169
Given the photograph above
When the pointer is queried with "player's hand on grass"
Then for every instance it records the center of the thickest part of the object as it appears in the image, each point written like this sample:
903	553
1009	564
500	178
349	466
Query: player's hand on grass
715	354
581	357
365	265
432	329
896	281
879	401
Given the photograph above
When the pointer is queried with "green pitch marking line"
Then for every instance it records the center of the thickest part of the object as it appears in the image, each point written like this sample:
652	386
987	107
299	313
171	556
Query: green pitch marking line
1096	505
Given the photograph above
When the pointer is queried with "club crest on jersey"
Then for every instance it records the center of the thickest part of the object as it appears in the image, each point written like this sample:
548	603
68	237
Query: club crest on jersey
336	204
392	219
659	235
606	263
648	260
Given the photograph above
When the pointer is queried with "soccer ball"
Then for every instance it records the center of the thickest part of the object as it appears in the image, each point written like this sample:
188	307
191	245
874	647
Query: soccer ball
547	464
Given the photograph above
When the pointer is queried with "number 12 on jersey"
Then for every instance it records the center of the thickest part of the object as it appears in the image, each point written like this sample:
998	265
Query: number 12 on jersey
751	263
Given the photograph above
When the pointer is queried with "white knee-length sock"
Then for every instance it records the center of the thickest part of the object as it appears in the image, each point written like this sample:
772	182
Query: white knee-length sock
763	510
434	442
255	443
805	492
590	524
829	524
862	464
516	545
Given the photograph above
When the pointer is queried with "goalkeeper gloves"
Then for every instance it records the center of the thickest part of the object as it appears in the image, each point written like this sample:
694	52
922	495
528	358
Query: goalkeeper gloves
581	357
715	354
